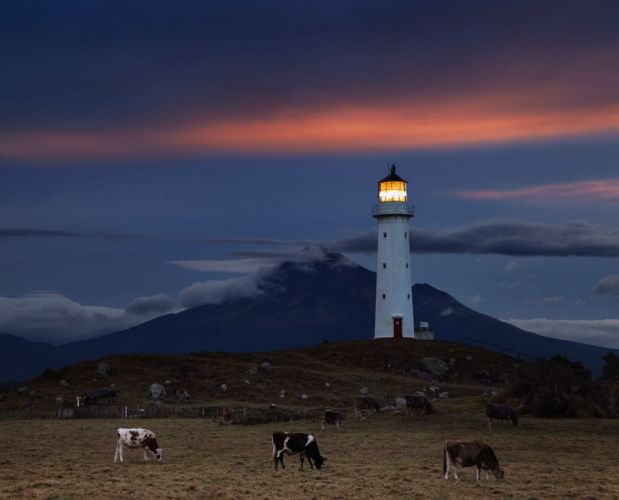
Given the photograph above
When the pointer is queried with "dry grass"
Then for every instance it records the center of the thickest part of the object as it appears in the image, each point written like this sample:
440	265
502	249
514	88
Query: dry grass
387	456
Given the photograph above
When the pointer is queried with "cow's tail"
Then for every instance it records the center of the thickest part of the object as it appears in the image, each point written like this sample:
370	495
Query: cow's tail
444	458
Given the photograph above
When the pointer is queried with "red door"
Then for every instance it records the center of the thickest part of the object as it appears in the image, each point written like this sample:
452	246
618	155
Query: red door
397	328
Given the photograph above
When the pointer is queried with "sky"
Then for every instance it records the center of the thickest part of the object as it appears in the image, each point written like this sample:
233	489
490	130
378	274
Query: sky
156	155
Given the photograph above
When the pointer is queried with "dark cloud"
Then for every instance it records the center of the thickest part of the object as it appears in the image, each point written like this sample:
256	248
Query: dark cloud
98	64
503	238
607	286
155	304
26	233
52	233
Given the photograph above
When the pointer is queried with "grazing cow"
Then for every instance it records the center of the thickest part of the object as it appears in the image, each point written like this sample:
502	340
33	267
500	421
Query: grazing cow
365	403
137	438
332	418
501	412
469	453
418	402
299	442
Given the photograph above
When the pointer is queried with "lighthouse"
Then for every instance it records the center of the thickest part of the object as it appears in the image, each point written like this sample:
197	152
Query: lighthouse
394	300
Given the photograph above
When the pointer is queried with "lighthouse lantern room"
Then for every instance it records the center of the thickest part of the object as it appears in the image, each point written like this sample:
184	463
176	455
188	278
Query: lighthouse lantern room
394	300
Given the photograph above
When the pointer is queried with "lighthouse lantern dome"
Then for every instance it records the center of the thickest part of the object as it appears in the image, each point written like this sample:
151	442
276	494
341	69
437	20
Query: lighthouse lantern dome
392	188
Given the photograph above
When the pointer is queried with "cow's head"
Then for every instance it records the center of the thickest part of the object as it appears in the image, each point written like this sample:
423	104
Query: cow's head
499	473
318	461
159	453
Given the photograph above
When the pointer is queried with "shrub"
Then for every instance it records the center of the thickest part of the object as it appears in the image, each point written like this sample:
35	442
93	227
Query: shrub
555	387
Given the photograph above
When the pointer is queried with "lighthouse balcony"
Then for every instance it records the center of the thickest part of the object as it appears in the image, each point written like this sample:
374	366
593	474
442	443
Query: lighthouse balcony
393	208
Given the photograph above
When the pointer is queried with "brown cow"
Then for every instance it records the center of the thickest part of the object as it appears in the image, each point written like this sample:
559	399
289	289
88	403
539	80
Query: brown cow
365	403
469	453
418	402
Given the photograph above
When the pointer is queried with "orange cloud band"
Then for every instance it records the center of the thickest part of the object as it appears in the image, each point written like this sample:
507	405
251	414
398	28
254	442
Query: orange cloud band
602	191
345	129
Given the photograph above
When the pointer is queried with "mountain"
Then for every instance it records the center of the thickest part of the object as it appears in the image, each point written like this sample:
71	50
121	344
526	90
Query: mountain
21	359
457	323
300	304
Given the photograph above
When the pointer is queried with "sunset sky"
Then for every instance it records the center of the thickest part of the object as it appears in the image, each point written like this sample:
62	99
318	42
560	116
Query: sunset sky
149	146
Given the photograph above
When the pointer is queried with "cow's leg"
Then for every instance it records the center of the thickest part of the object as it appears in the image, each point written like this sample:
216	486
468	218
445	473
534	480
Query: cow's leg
490	423
120	452
146	457
117	453
323	425
338	424
478	471
447	465
280	456
487	476
310	462
302	455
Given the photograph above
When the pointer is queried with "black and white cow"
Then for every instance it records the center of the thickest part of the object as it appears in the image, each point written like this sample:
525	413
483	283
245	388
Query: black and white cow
331	417
501	412
137	438
296	443
467	454
365	403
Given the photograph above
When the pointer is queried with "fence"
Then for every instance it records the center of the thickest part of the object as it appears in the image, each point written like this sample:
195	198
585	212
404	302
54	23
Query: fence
233	415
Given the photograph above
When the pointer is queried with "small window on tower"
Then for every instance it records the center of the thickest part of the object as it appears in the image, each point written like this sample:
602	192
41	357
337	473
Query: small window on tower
407	265
406	235
384	266
384	235
384	296
409	296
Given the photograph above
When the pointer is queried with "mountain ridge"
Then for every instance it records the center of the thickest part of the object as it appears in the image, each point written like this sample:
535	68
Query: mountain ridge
298	304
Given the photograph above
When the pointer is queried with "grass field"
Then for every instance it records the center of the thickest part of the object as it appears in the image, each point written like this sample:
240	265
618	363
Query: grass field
386	456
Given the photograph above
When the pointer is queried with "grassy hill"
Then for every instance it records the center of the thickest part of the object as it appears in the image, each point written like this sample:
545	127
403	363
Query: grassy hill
329	374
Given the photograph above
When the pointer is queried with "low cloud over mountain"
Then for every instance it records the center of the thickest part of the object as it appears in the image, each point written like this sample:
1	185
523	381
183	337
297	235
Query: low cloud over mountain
607	286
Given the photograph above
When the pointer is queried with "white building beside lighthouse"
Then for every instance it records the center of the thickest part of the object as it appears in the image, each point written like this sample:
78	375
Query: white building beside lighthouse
394	299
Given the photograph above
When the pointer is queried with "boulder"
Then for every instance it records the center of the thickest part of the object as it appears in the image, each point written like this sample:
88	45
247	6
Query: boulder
468	357
22	389
103	369
282	393
435	366
387	408
63	383
400	402
433	388
223	387
253	370
443	395
304	397
157	390
266	367
327	384
364	390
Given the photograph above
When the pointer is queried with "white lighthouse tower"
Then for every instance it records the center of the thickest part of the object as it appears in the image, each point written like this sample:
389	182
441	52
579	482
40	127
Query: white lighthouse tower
394	300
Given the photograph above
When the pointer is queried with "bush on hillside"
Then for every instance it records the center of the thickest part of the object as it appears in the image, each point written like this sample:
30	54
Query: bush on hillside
610	371
555	387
